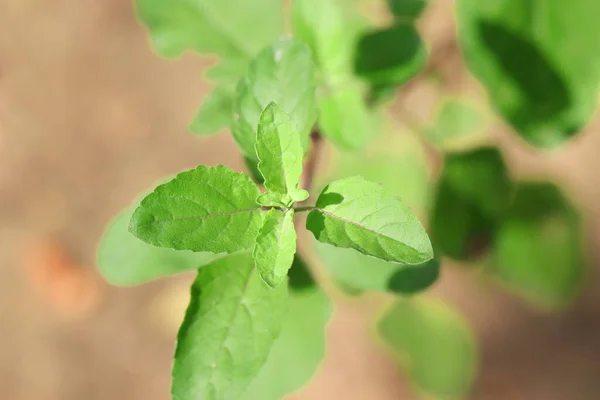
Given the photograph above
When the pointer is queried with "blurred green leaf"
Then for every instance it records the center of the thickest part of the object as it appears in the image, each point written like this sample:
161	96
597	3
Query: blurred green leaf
282	73
407	9
125	260
345	119
539	61
538	248
232	29
473	192
331	33
434	344
214	114
300	348
457	124
230	325
358	271
204	209
390	55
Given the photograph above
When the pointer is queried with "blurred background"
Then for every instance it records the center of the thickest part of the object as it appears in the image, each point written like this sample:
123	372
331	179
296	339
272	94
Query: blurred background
90	117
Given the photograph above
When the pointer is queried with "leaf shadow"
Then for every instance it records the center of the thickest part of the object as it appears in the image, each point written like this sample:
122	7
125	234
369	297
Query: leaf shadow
315	222
414	278
300	276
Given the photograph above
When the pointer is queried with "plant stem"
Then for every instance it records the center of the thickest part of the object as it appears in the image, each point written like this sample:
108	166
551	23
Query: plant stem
304	208
311	163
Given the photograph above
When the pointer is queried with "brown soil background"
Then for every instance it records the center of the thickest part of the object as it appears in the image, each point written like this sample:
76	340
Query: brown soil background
90	117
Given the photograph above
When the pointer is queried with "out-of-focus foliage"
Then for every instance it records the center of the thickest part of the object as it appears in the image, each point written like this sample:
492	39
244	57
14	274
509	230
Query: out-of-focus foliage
472	195
538	246
434	344
458	124
539	61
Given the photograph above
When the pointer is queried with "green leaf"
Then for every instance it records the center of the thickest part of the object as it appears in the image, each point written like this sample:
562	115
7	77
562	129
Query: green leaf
275	246
231	323
434	344
391	55
397	160
344	118
539	61
205	209
355	213
252	167
280	154
331	35
407	9
232	29
215	113
458	123
284	74
364	273
473	193
300	347
124	260
538	250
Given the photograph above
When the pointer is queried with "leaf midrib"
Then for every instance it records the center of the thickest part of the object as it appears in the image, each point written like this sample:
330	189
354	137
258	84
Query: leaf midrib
202	217
363	227
229	325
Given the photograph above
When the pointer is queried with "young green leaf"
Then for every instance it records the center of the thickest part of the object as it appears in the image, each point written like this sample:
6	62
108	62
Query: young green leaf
355	213
280	155
300	348
205	209
539	61
434	344
284	74
538	250
344	118
125	260
232	29
275	246
391	55
231	323
215	113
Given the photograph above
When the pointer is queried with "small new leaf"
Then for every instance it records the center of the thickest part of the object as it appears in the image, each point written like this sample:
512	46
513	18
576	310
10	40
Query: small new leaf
205	209
280	154
231	323
275	246
355	213
284	74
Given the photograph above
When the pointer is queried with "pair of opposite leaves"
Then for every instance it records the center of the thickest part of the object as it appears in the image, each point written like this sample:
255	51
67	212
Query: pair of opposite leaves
218	210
